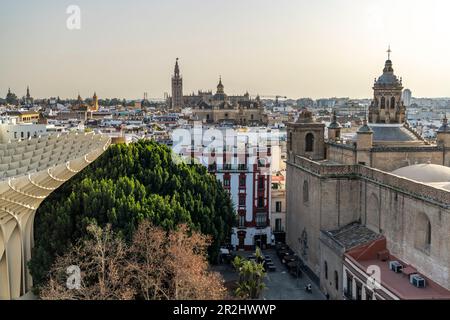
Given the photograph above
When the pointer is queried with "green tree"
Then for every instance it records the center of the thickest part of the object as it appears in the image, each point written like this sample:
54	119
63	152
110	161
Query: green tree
251	279
127	184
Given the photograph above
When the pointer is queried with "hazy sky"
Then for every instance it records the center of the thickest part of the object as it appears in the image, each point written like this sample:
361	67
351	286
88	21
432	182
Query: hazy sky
298	48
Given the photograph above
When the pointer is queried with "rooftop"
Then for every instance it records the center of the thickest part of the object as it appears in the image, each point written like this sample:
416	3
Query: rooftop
397	283
353	235
392	132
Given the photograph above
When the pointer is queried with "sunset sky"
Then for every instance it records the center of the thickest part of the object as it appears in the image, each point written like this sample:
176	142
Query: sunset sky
297	48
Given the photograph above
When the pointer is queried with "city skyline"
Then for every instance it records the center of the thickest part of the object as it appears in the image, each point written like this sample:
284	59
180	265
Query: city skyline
316	50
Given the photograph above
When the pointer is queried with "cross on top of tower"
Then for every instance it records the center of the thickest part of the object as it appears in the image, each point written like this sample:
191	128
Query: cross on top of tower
389	52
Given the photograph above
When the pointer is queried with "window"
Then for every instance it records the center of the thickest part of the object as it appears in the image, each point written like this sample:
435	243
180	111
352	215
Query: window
309	142
261	183
358	290
336	280
383	103
241	181
325	267
242	199
242	166
241	221
261	162
423	232
21	134
278	226
212	167
278	206
261	220
226	182
369	294
15	135
28	134
227	166
392	102
305	191
349	291
260	202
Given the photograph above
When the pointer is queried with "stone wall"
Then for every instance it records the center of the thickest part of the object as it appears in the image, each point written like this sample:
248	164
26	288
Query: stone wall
331	258
342	153
385	203
389	160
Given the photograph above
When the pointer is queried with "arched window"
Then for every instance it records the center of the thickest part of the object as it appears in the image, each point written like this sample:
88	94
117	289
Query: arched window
336	280
422	232
305	191
373	213
325	267
392	102
309	142
383	103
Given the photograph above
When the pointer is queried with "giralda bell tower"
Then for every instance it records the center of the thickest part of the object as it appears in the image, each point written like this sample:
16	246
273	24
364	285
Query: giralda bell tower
177	89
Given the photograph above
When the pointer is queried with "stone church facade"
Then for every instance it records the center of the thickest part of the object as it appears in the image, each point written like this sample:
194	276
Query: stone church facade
383	185
218	107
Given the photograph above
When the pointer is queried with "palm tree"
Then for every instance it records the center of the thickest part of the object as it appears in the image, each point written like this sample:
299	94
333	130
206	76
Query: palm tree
251	277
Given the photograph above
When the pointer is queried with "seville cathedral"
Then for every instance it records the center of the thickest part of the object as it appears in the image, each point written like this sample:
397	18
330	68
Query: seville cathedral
374	204
219	107
31	170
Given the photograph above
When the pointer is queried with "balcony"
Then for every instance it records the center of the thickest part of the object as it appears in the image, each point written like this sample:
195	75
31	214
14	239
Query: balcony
279	229
242	167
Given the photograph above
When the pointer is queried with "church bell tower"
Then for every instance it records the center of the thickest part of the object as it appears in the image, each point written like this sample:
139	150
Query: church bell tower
387	104
177	89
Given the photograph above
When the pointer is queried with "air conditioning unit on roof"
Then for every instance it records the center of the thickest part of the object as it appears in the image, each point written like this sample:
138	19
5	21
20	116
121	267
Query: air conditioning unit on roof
395	266
417	281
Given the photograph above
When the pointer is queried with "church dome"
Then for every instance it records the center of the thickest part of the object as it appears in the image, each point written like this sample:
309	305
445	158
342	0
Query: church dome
388	78
334	123
426	172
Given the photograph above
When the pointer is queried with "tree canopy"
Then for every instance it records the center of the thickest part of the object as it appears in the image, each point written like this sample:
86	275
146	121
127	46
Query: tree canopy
126	185
157	265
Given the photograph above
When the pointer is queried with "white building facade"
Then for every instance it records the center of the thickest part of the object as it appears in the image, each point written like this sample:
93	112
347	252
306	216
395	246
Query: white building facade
241	161
12	130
